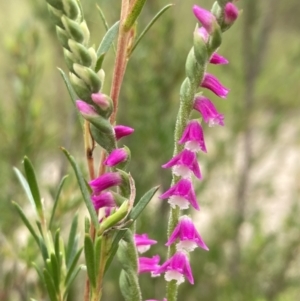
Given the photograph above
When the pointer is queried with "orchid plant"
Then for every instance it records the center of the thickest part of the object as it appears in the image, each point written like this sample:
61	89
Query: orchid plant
110	193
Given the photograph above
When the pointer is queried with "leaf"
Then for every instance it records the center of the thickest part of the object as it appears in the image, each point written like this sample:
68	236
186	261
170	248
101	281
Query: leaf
71	279
142	203
50	285
90	259
84	190
114	247
72	266
108	39
57	246
72	93
160	13
102	17
25	186
26	222
72	245
55	270
61	184
32	182
38	271
98	252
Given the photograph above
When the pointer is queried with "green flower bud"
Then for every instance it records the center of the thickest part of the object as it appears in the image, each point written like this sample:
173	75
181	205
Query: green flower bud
81	53
103	134
80	88
71	9
73	29
89	77
192	68
62	37
56	4
200	49
70	59
215	38
93	55
55	16
85	32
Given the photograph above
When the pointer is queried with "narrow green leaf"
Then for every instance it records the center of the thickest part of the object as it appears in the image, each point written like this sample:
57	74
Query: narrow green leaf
57	246
108	39
61	184
32	182
26	222
98	252
72	93
25	186
142	203
102	16
82	185
87	225
55	271
133	14
72	266
72	246
114	247
90	259
99	62
43	249
38	270
160	13
50	285
71	279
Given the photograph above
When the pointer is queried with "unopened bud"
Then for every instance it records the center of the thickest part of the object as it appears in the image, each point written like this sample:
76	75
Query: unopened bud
73	29
104	103
81	53
71	9
62	37
231	13
86	33
80	87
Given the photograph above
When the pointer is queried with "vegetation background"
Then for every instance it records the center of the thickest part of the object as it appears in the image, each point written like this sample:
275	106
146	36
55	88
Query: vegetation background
250	193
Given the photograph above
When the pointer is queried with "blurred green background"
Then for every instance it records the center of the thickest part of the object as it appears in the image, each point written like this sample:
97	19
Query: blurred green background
249	196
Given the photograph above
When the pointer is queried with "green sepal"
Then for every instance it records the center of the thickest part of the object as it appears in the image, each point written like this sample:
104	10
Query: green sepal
73	29
56	4
81	53
55	16
89	76
142	203
125	285
108	39
26	222
80	88
71	9
114	218
72	241
32	182
215	38
193	70
84	190
50	285
200	49
63	37
133	14
90	259
160	13
106	140
60	186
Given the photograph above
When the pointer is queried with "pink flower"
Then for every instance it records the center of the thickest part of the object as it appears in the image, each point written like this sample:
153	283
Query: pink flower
218	59
104	199
143	242
187	234
149	265
193	137
208	111
86	109
231	13
205	17
116	156
122	131
183	164
176	268
181	194
105	181
212	83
